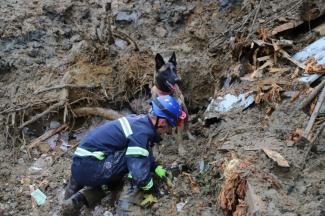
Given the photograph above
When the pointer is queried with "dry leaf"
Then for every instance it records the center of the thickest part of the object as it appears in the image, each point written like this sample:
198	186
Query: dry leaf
276	157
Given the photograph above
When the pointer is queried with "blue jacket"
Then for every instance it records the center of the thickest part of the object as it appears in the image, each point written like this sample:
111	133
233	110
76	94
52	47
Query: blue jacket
135	137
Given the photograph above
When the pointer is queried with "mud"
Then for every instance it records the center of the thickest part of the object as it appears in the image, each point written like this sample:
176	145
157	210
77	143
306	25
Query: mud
48	43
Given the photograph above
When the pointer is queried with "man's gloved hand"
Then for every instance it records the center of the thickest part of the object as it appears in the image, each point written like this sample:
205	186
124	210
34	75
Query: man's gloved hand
148	199
162	173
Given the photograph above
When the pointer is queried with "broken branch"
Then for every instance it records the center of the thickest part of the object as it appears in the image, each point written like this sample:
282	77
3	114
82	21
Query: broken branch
54	106
287	56
312	143
126	37
312	95
67	86
314	114
45	136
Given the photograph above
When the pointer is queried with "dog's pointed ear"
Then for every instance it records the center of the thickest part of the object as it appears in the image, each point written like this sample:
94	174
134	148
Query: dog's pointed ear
159	61
173	59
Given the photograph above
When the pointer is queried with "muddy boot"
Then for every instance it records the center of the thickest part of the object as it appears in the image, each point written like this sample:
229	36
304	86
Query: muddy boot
72	206
129	201
72	188
92	196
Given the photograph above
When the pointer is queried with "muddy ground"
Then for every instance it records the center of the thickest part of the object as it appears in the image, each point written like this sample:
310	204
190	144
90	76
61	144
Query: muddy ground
109	51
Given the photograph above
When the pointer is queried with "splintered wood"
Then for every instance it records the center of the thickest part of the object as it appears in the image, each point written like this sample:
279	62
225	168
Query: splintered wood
233	190
194	185
313	67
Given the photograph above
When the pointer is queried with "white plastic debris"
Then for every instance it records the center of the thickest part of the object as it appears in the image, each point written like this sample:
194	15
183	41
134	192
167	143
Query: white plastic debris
201	166
308	78
229	101
39	197
53	140
180	206
108	213
316	50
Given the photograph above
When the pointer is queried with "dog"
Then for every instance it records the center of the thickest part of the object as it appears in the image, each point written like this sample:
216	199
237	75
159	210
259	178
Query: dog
166	83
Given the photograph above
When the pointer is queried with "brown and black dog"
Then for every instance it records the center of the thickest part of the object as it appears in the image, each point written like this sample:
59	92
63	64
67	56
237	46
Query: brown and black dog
166	83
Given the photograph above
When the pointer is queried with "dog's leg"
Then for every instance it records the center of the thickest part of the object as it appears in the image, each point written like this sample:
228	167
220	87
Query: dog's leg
179	140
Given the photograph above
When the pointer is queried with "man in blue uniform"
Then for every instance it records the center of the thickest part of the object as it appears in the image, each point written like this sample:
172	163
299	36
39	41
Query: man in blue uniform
117	148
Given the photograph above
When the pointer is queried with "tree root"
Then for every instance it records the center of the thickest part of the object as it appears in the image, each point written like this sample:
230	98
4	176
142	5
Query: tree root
105	113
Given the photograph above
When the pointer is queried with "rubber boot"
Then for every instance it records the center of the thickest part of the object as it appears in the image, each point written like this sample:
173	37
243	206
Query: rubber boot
72	206
129	201
93	196
72	188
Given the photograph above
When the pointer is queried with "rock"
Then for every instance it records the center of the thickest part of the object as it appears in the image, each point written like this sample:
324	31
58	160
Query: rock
120	43
5	67
161	31
180	206
54	124
21	161
40	164
44	147
225	4
33	53
254	202
126	17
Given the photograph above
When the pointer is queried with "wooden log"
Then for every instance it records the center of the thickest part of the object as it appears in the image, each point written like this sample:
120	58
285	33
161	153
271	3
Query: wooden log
312	95
45	136
314	114
105	113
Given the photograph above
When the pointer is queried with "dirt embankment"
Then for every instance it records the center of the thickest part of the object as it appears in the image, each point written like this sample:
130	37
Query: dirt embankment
60	56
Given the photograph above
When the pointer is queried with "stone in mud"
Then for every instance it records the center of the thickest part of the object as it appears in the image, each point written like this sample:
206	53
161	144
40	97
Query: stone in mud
120	43
5	67
225	4
126	17
161	31
33	53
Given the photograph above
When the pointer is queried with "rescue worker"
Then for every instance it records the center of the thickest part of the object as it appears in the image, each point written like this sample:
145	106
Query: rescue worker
118	147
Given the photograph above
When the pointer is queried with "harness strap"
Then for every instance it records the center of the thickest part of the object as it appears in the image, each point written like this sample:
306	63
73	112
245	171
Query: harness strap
83	152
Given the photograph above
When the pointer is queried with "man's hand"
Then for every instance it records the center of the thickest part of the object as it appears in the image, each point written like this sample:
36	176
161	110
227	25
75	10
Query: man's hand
162	173
148	199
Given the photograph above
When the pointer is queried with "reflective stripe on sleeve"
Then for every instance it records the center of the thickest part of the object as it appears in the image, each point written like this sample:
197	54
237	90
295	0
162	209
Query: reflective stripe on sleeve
148	186
137	151
83	152
126	126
